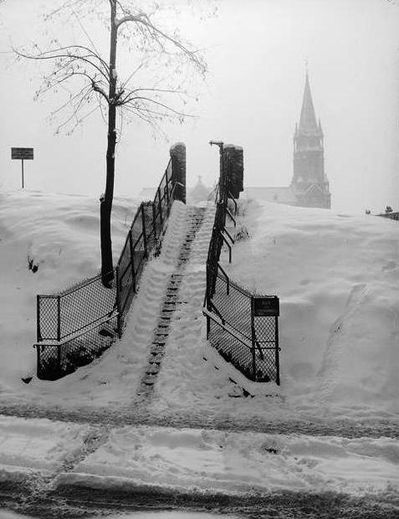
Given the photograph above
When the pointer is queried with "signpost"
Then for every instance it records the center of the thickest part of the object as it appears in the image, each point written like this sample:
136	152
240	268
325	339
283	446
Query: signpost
22	154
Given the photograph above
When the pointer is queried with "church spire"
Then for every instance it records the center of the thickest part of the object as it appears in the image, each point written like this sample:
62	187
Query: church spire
307	122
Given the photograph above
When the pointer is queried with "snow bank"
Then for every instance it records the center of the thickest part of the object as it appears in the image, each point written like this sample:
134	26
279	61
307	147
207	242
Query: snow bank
28	446
337	279
58	236
194	460
111	380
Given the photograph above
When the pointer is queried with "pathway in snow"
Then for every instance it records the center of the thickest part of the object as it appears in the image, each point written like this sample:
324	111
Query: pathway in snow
195	216
185	378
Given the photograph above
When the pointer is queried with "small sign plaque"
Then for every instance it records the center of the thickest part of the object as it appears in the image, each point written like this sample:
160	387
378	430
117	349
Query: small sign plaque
22	153
266	306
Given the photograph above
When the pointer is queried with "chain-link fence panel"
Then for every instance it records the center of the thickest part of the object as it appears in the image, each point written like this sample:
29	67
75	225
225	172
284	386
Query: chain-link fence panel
233	304
267	348
233	350
85	305
57	360
47	318
257	354
73	314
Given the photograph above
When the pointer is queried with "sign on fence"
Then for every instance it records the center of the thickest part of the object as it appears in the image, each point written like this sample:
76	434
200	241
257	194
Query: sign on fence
265	306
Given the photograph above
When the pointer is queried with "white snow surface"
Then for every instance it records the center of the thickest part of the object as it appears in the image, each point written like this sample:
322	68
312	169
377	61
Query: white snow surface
230	462
336	276
60	233
197	460
31	446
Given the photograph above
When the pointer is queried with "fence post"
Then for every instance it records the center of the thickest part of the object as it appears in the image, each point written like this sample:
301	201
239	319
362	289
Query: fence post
166	188
58	318
234	169
253	338
118	302
160	206
154	222
38	333
132	260
178	157
39	366
144	230
277	351
59	357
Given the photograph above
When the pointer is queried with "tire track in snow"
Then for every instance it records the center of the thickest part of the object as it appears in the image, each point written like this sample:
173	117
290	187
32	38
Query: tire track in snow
37	487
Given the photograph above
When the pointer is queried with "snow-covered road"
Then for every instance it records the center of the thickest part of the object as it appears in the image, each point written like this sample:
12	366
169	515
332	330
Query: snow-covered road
42	459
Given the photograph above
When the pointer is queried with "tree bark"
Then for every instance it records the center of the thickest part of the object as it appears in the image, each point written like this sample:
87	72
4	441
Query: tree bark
107	270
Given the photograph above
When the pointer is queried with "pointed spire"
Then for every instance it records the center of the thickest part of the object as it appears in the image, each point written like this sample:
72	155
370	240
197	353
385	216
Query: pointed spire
308	121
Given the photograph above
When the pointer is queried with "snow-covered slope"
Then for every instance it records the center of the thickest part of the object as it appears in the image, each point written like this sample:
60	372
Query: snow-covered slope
337	276
59	236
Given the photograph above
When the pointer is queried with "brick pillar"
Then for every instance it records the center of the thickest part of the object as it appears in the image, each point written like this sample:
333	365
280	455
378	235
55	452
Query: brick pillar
234	166
178	156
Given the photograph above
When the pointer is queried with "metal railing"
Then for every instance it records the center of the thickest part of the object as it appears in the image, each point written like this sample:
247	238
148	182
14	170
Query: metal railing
142	239
75	326
241	326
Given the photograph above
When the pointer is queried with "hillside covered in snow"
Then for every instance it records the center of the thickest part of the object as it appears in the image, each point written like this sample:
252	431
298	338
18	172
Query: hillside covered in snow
48	242
329	430
334	273
337	279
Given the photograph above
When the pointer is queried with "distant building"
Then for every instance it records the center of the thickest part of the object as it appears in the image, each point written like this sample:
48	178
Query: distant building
147	193
200	192
309	186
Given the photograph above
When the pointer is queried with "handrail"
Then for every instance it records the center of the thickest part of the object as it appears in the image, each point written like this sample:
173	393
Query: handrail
231	197
231	216
226	327
226	276
212	305
78	333
227	243
229	235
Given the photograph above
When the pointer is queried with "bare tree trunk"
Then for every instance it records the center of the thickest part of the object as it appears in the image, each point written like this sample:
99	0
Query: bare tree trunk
107	271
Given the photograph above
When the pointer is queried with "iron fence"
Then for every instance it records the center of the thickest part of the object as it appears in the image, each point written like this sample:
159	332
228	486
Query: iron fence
241	326
142	239
246	338
77	325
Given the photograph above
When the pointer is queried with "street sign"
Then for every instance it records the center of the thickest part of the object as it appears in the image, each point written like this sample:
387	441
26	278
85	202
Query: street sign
266	306
22	153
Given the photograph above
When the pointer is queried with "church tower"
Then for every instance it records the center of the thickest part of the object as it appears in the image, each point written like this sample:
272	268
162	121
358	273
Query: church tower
309	182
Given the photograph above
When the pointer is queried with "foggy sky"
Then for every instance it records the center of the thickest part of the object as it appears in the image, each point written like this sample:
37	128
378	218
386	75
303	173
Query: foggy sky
252	97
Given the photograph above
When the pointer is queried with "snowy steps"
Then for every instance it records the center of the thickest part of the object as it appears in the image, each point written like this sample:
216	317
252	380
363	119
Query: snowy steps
171	302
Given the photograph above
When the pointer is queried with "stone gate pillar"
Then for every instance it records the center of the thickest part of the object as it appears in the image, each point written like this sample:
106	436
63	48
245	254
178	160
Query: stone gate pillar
178	156
234	169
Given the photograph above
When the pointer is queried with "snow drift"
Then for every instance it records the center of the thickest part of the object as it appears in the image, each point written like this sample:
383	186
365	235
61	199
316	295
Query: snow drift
47	243
337	279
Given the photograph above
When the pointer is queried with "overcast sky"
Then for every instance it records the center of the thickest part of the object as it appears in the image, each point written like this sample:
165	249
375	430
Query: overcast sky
256	50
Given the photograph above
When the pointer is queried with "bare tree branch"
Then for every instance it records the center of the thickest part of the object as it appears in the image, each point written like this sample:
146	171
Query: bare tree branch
95	84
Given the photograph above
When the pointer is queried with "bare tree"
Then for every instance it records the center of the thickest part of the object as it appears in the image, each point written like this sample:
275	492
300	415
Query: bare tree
98	81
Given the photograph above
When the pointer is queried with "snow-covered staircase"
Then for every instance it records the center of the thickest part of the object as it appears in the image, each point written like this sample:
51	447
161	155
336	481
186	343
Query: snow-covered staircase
170	303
